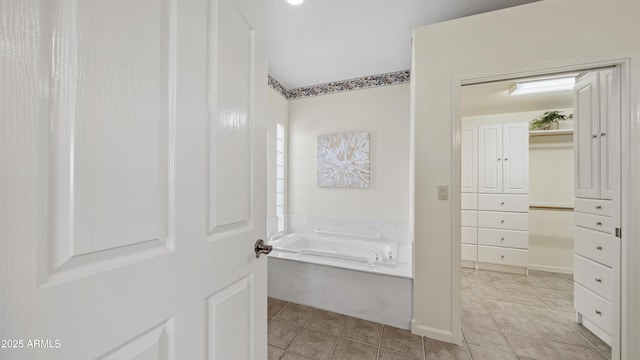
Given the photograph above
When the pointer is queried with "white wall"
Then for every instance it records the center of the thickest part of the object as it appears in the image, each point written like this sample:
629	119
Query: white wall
277	113
383	112
551	184
546	36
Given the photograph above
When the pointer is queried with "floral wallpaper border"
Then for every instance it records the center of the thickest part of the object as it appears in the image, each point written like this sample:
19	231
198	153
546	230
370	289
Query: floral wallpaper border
399	77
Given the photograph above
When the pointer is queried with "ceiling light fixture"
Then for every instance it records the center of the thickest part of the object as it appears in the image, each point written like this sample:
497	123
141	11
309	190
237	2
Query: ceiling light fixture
544	85
295	2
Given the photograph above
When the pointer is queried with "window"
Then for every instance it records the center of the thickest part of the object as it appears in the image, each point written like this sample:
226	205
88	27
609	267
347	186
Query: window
280	176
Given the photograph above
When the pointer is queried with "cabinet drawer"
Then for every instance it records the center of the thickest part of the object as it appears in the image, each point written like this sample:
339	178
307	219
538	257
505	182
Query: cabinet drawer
595	245
503	220
594	207
594	222
469	201
469	252
593	276
469	235
469	218
503	256
593	307
506	238
501	202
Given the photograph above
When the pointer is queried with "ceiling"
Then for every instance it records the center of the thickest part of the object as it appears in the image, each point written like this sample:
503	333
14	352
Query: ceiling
493	98
322	41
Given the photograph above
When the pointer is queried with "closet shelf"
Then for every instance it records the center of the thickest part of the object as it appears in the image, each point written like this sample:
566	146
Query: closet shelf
551	132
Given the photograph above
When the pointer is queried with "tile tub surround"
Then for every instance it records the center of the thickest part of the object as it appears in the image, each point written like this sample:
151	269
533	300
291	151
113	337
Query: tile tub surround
374	297
488	300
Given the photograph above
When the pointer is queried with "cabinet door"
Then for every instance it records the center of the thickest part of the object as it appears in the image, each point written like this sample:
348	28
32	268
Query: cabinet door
586	136
609	134
490	158
469	171
515	162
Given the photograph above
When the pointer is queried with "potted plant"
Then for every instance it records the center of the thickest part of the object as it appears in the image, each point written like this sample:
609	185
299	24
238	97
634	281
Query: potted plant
549	120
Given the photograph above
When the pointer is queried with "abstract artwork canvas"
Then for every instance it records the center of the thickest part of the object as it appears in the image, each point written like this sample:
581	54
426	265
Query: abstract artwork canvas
343	160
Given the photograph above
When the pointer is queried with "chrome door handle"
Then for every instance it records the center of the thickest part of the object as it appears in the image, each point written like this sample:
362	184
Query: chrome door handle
261	248
594	136
598	280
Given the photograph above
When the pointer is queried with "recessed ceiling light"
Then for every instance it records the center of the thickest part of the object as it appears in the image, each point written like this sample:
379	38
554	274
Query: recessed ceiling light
295	2
543	85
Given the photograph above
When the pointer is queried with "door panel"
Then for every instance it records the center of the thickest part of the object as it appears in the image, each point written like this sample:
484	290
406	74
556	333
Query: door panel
515	152
133	180
586	136
469	160
490	158
609	130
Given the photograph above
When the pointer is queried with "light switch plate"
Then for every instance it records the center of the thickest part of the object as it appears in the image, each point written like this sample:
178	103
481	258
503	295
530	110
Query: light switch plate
443	192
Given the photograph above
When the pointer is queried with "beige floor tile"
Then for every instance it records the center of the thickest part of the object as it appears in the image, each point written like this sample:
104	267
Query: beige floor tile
518	297
402	341
363	331
483	336
290	356
274	353
561	333
313	344
296	313
486	353
561	304
532	347
573	352
281	333
386	354
594	340
539	313
438	350
328	322
497	307
478	317
351	350
274	306
510	324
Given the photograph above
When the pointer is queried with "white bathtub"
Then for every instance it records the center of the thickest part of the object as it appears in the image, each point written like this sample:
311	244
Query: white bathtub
368	279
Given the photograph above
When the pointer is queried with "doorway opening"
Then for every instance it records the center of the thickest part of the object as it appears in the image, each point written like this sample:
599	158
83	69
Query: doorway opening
528	268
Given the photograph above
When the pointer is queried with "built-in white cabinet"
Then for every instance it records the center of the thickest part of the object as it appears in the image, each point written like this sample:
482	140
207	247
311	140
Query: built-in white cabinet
503	158
596	247
596	102
495	202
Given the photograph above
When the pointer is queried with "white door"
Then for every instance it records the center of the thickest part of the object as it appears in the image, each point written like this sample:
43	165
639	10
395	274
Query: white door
132	183
469	160
609	130
515	161
490	158
586	137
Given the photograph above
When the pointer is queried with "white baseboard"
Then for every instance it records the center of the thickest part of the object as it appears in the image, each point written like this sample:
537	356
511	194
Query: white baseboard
436	334
555	269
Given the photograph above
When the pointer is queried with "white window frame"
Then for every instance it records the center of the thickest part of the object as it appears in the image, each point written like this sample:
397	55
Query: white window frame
280	183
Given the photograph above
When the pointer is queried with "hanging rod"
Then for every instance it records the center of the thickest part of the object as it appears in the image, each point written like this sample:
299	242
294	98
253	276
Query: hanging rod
550	207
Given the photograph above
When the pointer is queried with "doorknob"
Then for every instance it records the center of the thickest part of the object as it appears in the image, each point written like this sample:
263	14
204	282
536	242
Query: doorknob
261	248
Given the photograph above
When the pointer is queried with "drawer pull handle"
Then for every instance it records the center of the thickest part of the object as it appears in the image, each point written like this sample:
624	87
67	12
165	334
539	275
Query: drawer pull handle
501	257
599	223
603	134
598	207
506	159
501	239
598	280
598	312
501	221
594	136
499	159
502	203
598	247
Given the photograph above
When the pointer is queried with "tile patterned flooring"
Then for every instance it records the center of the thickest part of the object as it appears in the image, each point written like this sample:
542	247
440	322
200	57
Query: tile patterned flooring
504	316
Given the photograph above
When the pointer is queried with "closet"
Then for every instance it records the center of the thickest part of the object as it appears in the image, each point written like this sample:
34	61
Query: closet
597	248
495	204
